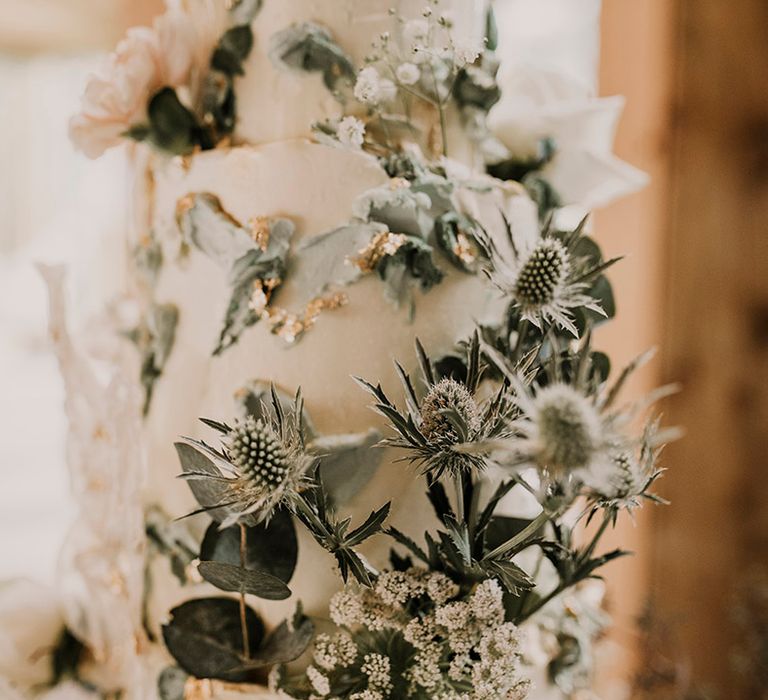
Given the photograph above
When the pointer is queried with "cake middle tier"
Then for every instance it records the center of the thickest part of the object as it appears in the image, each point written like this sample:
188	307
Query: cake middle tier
317	189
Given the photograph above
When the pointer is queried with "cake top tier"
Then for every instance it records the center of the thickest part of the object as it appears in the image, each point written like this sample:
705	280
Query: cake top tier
213	73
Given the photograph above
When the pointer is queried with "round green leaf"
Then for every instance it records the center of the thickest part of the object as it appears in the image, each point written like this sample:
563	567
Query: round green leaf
272	549
205	638
227	577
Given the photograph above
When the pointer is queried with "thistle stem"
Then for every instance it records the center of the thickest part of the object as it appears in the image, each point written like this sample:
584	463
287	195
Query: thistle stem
243	619
589	551
440	110
459	481
520	537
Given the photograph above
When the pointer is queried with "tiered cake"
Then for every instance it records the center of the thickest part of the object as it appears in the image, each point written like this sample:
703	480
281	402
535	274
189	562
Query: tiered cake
320	183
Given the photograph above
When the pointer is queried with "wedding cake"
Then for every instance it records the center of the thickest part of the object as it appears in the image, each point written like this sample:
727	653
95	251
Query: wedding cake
346	205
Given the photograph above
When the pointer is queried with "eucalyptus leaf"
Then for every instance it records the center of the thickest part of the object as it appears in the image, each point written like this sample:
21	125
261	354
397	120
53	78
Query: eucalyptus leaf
233	48
286	643
209	493
347	463
205	638
206	225
235	579
244	11
310	47
321	262
172	127
269	548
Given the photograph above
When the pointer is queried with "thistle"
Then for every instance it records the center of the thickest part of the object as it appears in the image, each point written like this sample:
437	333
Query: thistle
261	465
548	281
439	429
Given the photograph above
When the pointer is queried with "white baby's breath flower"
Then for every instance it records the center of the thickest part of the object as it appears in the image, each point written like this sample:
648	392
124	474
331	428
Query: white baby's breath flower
372	89
351	132
408	73
465	52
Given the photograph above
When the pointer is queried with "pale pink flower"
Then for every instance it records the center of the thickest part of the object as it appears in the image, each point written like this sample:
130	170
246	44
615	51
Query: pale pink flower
146	60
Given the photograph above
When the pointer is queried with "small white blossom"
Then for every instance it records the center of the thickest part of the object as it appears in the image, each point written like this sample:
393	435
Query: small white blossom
465	53
351	132
408	73
372	89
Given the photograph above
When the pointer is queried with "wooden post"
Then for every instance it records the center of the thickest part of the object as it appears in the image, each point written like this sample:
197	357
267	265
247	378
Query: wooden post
716	333
636	61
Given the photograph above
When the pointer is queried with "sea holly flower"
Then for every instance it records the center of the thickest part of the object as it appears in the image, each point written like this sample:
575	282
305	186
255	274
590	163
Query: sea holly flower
546	280
439	429
631	473
261	466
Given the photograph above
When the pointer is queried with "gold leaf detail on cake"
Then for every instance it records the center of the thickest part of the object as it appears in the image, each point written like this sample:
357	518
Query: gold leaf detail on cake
463	249
259	228
183	205
290	327
261	294
382	245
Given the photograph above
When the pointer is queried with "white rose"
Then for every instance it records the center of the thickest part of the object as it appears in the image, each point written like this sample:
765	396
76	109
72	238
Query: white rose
30	626
408	73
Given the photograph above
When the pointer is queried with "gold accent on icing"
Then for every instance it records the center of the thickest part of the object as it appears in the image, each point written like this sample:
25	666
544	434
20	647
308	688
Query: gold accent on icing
259	230
290	327
381	245
463	249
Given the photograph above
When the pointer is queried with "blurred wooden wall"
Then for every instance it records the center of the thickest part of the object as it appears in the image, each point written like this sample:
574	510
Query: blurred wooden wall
715	307
636	61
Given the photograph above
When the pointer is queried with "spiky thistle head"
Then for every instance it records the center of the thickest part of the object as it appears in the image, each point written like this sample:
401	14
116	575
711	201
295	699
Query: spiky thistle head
260	467
444	431
546	280
446	396
541	276
257	452
568	427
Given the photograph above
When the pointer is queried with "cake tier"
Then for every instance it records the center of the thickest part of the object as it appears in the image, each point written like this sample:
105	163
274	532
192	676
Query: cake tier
276	103
315	187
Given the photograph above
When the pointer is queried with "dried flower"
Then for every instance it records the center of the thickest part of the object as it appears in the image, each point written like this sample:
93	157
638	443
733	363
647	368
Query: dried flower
372	89
440	430
403	638
408	73
546	281
261	466
351	132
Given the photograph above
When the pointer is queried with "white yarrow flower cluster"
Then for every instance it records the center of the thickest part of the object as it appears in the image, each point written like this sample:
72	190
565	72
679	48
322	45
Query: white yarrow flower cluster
414	635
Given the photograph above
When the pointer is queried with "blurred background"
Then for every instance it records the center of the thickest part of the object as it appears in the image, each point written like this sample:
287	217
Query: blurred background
691	608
